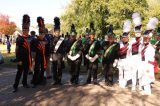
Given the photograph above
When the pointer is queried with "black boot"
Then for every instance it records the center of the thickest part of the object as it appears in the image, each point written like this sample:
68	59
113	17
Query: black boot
26	86
76	81
15	89
55	83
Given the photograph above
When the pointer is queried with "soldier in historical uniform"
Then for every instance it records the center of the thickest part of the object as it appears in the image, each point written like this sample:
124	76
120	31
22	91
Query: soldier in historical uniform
111	49
57	52
93	53
124	55
23	54
85	40
40	59
74	55
148	58
136	43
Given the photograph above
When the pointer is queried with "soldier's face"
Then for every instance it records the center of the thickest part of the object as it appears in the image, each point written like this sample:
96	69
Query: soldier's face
41	37
146	40
137	34
57	33
92	37
73	37
25	32
87	36
125	39
111	39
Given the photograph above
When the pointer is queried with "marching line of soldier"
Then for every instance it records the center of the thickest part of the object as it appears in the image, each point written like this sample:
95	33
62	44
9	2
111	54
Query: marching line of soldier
135	58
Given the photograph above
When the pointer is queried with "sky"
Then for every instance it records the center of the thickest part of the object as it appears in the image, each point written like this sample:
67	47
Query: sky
48	9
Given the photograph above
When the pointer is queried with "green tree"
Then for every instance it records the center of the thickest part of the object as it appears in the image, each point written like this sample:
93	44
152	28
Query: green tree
121	10
49	26
102	13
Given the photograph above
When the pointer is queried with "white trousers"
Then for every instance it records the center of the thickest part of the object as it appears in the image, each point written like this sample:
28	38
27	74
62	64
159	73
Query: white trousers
124	73
135	69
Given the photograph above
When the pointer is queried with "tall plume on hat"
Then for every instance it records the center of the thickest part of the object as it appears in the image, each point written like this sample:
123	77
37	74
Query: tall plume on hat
110	30
92	30
137	22
91	26
153	22
86	31
73	30
127	26
26	22
41	25
136	19
56	23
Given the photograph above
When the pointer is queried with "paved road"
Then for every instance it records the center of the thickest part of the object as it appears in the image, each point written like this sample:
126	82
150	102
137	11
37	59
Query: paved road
69	95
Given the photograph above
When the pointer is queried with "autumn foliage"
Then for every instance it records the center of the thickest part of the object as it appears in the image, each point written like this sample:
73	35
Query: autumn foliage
6	27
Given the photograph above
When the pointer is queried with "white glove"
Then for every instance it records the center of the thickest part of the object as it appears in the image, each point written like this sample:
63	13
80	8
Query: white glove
115	63
87	56
70	57
94	58
73	58
76	57
50	59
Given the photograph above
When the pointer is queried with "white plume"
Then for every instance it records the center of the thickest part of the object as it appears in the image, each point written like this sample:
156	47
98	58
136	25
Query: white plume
127	26
136	19
152	23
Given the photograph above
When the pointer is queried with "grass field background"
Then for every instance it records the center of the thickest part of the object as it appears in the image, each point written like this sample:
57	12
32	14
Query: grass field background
3	48
8	56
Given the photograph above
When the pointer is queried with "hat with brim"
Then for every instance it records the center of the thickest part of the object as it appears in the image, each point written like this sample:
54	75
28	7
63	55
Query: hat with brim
148	33
125	34
137	29
112	34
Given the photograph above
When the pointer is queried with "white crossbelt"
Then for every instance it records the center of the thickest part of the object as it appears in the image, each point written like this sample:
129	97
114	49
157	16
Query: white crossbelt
58	44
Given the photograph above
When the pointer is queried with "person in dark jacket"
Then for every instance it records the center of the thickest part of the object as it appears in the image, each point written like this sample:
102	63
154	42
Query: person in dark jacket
57	49
23	55
74	55
110	48
40	58
93	54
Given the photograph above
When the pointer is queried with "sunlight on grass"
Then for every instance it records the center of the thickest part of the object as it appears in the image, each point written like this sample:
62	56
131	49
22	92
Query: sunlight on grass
3	48
7	58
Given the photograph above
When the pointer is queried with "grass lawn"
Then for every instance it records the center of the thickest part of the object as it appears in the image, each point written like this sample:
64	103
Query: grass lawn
7	57
3	48
7	62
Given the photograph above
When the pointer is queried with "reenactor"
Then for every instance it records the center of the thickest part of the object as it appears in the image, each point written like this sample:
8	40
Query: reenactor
74	55
57	49
23	55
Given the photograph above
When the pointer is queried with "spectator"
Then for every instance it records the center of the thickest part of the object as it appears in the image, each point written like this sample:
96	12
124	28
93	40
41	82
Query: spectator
8	45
